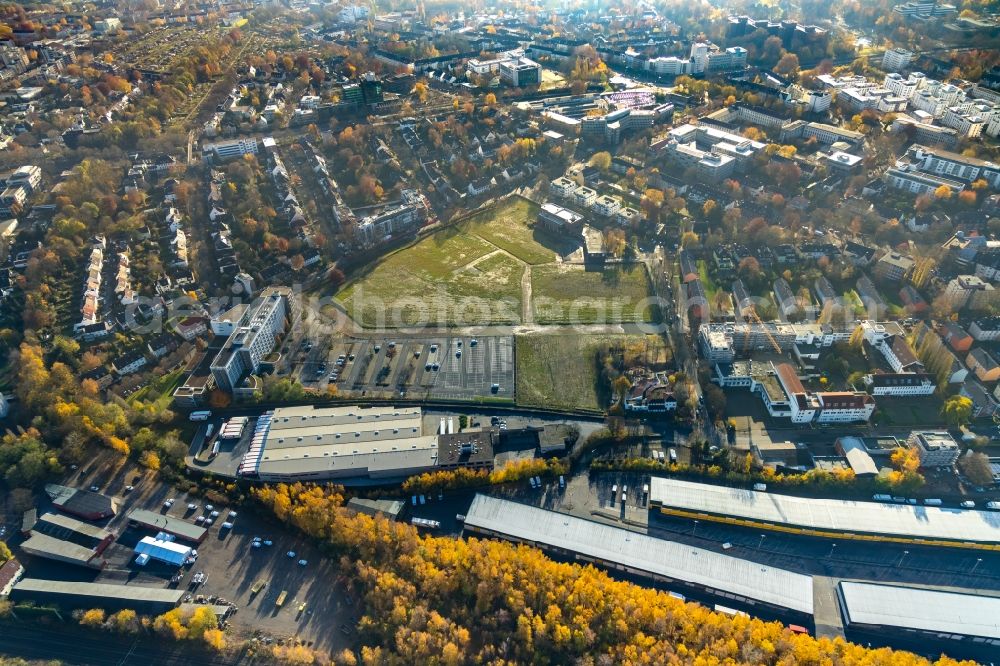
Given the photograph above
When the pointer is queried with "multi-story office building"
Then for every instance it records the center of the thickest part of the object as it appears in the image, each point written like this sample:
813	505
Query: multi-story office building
936	448
252	340
521	72
228	150
896	59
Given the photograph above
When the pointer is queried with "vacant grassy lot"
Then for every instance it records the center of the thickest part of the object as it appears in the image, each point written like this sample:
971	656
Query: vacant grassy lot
561	371
569	294
433	282
511	226
467	274
160	390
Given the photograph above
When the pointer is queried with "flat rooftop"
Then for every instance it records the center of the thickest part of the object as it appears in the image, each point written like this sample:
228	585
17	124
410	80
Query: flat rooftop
42	545
849	517
175	526
613	545
342	441
932	611
121	592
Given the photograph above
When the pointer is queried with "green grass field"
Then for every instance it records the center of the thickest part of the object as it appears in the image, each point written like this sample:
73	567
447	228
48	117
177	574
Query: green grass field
569	294
159	391
439	281
511	227
470	274
561	371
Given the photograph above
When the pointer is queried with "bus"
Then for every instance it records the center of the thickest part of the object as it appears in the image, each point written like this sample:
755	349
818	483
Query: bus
281	599
257	587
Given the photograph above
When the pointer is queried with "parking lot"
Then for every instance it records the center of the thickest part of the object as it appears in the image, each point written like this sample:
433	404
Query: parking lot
229	564
447	368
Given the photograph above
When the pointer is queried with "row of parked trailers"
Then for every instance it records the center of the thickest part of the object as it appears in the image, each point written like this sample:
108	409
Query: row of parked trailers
234	427
251	460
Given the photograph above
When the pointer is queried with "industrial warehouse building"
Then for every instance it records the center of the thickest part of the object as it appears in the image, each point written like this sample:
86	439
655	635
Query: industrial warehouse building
764	589
157	522
69	529
53	536
70	596
81	503
921	614
162	550
870	521
376	443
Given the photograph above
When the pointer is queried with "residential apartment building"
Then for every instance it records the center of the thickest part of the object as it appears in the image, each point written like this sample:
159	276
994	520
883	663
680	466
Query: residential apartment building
900	384
985	329
926	132
892	267
905	177
12	201
607	205
402	219
252	340
955	166
563	187
968	291
982	365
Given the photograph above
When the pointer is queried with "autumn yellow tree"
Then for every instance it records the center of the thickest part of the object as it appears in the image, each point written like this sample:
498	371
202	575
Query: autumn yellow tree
93	617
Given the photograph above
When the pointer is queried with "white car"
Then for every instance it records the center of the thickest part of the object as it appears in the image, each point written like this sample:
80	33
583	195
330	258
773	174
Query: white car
268	542
255	544
968	504
209	507
168	503
302	563
214	514
227	526
192	507
291	554
209	522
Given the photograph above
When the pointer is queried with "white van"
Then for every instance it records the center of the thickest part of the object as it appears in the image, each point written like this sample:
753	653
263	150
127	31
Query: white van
760	487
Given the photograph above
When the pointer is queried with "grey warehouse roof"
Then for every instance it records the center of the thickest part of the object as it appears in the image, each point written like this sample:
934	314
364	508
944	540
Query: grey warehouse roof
181	528
769	585
902	520
927	610
124	592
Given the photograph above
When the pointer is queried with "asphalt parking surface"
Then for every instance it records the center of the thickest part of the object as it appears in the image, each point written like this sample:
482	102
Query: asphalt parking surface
443	368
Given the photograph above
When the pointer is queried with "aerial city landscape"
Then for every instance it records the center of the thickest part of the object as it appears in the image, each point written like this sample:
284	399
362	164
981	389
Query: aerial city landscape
570	333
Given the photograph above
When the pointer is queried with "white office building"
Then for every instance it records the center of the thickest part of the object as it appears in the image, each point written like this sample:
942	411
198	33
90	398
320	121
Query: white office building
252	340
227	150
896	59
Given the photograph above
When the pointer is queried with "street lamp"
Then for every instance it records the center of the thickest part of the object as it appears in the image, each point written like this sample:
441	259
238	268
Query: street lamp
905	553
979	561
833	547
761	542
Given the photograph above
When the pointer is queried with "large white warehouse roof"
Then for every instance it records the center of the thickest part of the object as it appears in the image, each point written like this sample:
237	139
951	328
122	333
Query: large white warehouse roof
828	515
613	545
